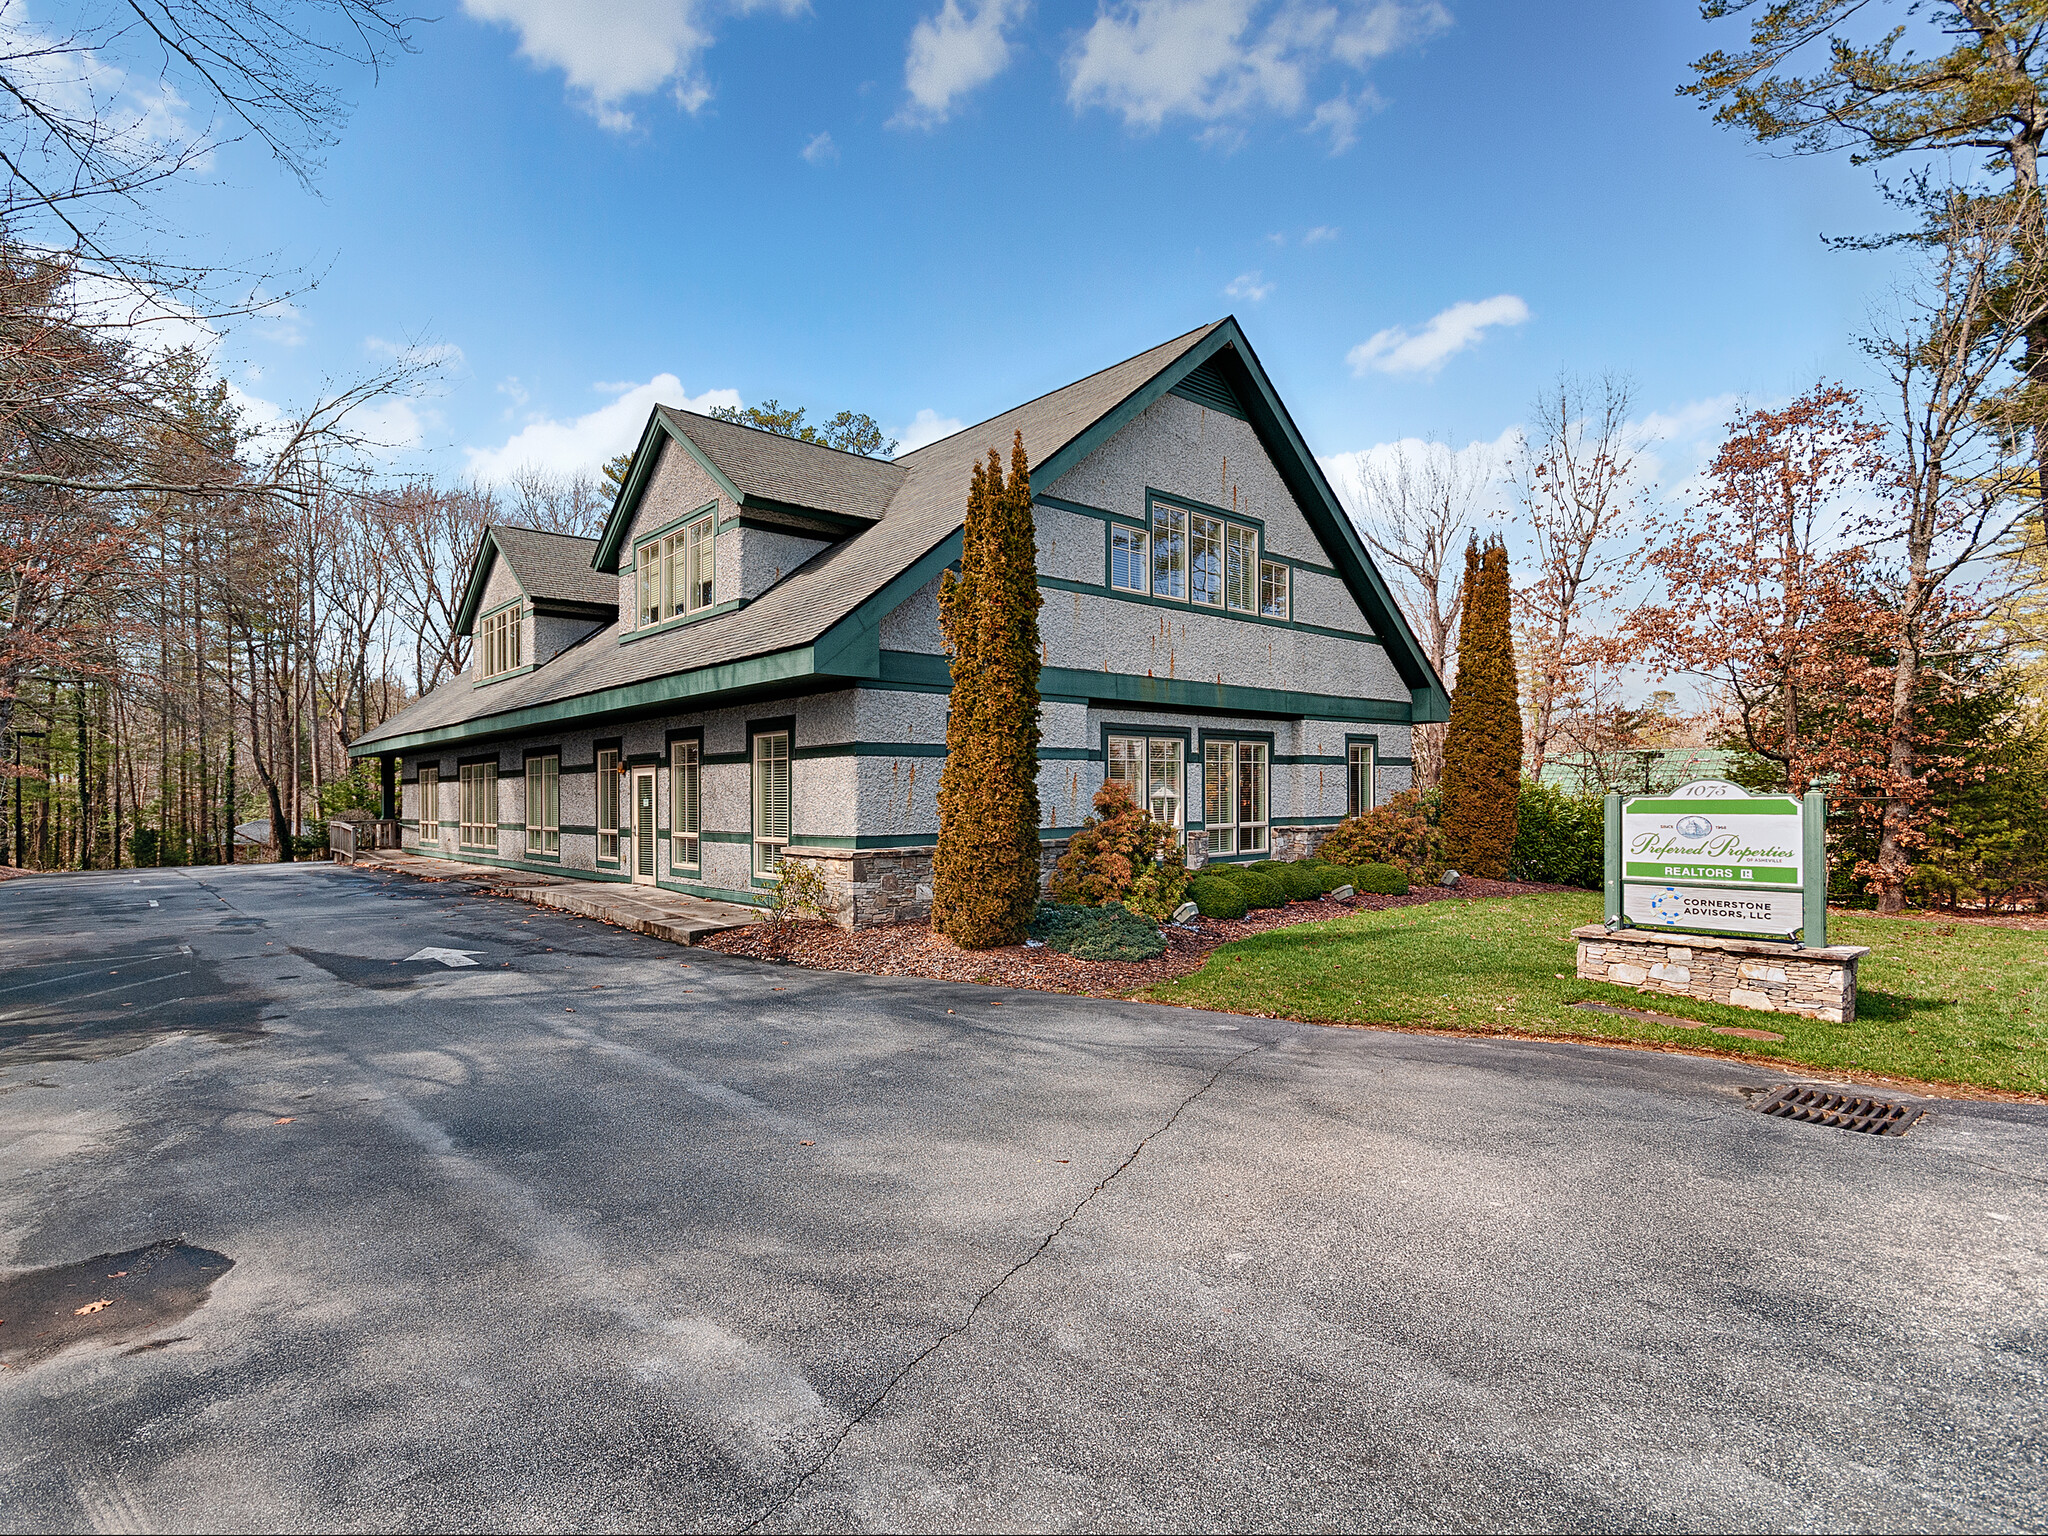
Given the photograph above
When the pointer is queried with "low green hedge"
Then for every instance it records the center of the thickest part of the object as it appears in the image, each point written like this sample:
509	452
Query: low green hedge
1379	880
1107	932
1215	896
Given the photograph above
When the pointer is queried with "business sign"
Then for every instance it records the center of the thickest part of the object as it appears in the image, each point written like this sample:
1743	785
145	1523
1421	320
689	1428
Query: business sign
1713	858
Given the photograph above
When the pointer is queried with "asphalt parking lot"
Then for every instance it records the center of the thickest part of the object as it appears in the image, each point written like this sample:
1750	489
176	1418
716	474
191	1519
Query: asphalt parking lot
598	1232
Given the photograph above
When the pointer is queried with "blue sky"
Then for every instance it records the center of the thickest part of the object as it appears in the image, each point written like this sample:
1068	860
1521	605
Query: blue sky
1420	212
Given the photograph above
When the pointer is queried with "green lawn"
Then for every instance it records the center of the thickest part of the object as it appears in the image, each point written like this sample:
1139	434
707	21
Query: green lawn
1940	1003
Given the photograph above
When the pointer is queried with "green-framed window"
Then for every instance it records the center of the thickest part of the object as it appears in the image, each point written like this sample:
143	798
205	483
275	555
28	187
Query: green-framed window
479	815
1360	771
1236	790
608	805
771	801
686	803
1127	571
1153	769
544	805
430	804
500	641
677	571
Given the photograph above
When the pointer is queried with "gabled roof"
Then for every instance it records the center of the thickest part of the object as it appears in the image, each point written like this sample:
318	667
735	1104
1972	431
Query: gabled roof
824	619
552	569
761	471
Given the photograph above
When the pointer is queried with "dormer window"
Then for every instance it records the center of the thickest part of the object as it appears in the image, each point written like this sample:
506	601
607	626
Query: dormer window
498	641
676	572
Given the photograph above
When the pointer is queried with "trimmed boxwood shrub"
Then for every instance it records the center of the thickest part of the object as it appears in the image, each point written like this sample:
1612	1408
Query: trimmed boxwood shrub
1107	932
1380	880
1261	890
1215	896
1330	876
1301	882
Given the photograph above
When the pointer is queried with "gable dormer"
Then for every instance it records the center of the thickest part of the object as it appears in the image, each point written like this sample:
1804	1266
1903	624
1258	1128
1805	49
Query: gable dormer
531	596
713	514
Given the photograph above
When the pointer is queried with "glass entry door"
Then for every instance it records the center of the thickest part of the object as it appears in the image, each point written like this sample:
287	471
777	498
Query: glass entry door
643	826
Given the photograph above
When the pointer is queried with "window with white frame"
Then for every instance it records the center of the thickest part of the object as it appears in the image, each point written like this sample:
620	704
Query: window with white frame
1152	769
608	805
771	800
1234	789
1241	569
1169	551
544	805
1205	560
1272	589
685	803
479	806
430	804
1360	773
676	571
1127	571
498	641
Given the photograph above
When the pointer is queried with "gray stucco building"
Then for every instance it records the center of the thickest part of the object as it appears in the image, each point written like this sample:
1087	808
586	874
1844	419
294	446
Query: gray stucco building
745	667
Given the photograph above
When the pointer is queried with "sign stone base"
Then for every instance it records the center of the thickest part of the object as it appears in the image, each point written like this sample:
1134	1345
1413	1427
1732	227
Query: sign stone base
1744	973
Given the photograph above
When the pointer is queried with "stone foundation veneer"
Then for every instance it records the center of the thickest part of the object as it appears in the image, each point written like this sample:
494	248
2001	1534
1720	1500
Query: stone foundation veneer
1745	973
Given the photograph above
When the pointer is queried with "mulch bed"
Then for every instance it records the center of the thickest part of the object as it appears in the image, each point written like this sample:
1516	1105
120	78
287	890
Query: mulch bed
913	949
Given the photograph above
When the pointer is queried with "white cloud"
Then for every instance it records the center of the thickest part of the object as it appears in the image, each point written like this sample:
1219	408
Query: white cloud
613	52
1318	235
952	53
1398	350
586	442
821	150
1477	461
927	426
1248	286
1220	63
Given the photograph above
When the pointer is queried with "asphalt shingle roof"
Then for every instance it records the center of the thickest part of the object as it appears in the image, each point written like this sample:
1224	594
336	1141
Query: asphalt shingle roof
928	504
787	469
555	565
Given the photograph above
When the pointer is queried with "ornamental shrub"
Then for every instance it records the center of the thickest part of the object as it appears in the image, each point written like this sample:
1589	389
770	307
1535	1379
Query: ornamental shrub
1379	880
1331	876
1215	896
1483	745
985	869
1299	881
1114	847
1107	932
1160	888
1261	891
1399	833
1560	839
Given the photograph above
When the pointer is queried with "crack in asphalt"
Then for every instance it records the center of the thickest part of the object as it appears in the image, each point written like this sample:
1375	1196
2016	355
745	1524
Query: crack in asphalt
789	1495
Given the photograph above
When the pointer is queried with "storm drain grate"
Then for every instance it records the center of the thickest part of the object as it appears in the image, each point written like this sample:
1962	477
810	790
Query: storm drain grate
1844	1111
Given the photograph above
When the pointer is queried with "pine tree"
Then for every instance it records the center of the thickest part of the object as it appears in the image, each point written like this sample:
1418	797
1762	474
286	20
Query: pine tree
1483	748
985	871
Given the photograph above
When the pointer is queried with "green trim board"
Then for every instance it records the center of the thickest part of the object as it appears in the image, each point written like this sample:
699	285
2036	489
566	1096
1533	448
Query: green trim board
502	677
1082	509
917	669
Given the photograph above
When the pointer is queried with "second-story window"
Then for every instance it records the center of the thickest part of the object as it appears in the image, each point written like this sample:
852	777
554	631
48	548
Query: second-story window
1127	559
677	574
498	642
1272	589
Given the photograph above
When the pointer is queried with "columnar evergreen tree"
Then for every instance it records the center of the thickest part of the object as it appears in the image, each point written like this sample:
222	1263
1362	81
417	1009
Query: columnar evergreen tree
1483	748
985	872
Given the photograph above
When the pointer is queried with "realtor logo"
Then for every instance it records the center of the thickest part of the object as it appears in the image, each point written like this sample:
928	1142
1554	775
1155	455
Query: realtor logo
1695	827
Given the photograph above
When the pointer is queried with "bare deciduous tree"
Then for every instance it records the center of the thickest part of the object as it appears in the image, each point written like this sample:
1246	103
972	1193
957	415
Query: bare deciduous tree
1416	506
1577	475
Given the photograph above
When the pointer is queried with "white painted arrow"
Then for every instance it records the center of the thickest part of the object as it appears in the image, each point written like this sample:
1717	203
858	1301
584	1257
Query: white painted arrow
445	956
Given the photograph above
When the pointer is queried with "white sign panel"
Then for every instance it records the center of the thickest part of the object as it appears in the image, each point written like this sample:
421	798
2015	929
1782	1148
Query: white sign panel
1711	833
1720	909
